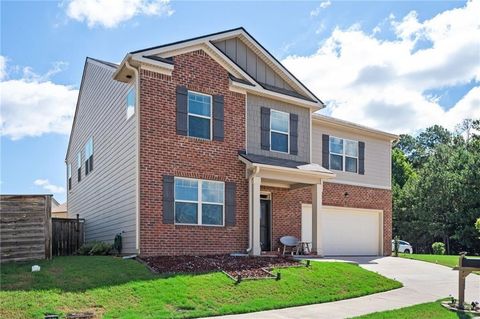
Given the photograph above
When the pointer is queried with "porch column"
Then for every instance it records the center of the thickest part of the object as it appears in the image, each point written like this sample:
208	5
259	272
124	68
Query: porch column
255	198
317	244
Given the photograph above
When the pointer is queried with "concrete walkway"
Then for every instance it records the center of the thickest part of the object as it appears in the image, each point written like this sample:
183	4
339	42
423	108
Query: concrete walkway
423	282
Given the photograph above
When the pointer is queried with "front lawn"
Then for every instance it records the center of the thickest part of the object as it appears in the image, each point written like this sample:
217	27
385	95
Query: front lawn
117	288
433	310
445	260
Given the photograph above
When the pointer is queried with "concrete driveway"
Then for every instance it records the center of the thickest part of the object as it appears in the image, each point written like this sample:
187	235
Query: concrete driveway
422	281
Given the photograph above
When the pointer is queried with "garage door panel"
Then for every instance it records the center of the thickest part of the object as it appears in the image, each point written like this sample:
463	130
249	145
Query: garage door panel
350	232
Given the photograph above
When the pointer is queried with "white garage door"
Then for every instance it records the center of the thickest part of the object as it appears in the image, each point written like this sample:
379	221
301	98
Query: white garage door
346	231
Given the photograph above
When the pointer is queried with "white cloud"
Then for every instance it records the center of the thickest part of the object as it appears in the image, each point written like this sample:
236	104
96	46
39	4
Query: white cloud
110	13
33	105
3	67
384	83
45	184
323	5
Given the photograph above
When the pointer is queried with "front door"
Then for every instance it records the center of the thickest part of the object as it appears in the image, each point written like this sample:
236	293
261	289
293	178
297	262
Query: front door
265	225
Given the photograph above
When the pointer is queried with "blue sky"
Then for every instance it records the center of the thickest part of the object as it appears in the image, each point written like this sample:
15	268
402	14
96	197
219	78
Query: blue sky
44	45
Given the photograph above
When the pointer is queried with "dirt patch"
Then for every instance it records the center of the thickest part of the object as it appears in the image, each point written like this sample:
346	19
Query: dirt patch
246	267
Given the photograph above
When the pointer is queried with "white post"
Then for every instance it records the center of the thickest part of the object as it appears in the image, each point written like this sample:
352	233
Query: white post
317	244
255	198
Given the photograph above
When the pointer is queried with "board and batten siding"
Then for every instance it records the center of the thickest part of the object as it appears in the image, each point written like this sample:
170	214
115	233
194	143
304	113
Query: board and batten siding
106	197
254	104
246	59
377	157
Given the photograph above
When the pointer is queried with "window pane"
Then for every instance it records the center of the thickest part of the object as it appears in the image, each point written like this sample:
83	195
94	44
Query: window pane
336	145
186	189
130	103
199	104
279	142
279	121
351	148
350	164
199	127
186	213
79	160
336	162
212	192
212	214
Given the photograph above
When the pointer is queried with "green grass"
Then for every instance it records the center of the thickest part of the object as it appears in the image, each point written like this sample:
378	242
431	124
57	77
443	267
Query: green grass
445	260
117	288
431	310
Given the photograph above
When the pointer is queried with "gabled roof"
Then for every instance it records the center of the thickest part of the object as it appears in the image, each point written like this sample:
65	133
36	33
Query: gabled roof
159	56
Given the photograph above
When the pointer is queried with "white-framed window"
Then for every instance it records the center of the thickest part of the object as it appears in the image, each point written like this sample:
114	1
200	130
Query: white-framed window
89	156
69	176
343	154
199	202
131	103
199	115
279	131
79	166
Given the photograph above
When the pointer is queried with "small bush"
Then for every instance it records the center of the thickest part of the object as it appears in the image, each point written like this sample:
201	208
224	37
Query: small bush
95	248
438	248
101	248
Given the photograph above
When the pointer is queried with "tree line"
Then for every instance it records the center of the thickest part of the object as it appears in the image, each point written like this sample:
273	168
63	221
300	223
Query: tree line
436	188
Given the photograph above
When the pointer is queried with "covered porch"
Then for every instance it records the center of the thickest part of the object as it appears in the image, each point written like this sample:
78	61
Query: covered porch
277	190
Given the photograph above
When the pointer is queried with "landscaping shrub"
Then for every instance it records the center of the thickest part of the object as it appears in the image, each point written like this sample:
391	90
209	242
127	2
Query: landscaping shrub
95	248
117	244
438	248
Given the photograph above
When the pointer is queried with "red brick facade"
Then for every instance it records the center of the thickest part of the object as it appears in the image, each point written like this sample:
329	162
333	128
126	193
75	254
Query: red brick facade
287	207
163	152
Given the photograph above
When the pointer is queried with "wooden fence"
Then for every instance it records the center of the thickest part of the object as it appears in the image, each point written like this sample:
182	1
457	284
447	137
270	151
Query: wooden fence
25	227
67	235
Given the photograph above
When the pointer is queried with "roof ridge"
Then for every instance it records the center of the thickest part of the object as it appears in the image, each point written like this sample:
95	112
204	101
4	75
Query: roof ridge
110	64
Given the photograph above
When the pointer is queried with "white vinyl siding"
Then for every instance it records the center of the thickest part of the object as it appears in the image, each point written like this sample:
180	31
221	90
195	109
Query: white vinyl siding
107	197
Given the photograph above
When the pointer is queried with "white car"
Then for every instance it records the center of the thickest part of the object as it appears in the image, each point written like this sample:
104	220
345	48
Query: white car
403	247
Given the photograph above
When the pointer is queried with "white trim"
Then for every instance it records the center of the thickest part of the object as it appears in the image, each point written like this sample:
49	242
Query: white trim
210	118
200	202
359	184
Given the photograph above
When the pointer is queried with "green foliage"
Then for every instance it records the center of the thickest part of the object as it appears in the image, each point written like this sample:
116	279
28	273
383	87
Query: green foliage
435	186
477	224
396	245
118	288
438	248
95	248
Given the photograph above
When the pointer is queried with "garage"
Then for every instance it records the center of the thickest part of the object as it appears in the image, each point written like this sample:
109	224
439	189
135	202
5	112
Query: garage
346	231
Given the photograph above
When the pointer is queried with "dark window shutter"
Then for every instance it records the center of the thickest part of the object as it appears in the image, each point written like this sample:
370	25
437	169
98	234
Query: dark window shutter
86	167
265	128
218	127
361	158
79	174
182	111
293	134
326	151
230	203
91	163
168	199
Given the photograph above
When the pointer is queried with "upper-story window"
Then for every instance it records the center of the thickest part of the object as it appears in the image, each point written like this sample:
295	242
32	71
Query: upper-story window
199	202
89	156
131	102
79	166
279	131
343	154
199	115
69	176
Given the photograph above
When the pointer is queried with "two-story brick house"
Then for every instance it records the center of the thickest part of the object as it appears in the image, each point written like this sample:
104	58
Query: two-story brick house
210	145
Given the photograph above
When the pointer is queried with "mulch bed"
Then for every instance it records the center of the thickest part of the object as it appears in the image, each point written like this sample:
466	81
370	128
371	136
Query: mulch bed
246	267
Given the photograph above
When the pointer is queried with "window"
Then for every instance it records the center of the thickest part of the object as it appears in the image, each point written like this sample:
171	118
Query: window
199	202
343	154
79	166
69	176
89	156
279	131
131	102
199	115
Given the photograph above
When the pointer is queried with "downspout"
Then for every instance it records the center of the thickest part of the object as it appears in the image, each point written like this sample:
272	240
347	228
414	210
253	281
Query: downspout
137	151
